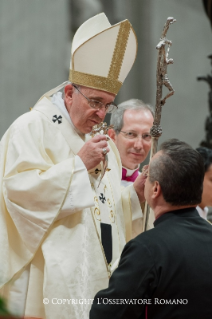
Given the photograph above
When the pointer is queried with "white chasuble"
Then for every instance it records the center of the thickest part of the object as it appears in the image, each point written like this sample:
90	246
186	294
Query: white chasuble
49	226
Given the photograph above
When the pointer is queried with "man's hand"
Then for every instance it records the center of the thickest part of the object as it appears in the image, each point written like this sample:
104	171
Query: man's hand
92	152
139	184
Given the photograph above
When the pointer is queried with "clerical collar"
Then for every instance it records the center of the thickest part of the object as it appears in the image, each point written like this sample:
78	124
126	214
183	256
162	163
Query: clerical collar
129	175
129	172
202	212
58	101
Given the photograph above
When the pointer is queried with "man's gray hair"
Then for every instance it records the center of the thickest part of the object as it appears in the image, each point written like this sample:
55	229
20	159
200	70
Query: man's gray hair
134	104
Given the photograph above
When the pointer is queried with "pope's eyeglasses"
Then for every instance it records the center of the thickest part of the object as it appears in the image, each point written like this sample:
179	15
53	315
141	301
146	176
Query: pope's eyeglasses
97	105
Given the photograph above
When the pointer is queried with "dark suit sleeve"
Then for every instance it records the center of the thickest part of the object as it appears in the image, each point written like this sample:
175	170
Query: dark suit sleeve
131	284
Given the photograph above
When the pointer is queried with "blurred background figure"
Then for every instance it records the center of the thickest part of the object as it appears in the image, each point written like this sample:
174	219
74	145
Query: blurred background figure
131	133
207	184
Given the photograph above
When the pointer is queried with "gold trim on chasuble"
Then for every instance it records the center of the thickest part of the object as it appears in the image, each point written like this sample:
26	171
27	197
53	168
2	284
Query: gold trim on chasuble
96	215
111	83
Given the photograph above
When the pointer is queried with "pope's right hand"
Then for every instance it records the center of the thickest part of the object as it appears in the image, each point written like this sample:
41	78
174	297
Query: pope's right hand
92	152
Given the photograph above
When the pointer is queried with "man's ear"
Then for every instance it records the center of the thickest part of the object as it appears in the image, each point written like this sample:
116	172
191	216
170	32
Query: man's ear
112	134
156	190
68	92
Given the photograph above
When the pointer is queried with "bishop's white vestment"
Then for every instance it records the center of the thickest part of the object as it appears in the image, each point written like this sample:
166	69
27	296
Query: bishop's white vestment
51	215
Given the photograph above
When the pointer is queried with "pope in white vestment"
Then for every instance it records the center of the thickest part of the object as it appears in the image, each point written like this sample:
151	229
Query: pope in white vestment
53	260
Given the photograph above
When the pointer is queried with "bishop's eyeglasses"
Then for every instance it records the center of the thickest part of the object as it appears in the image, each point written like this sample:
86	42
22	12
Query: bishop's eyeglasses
133	135
97	105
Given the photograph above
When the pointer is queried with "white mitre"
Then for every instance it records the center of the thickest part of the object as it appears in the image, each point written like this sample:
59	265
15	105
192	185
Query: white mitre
102	55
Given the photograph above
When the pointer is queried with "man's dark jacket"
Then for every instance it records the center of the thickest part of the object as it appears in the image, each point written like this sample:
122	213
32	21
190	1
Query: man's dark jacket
165	266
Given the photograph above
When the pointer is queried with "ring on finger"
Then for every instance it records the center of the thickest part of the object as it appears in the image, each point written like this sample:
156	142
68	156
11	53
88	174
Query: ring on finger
104	151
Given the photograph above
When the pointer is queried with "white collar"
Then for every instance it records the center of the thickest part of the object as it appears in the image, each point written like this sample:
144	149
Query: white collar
58	101
130	171
202	212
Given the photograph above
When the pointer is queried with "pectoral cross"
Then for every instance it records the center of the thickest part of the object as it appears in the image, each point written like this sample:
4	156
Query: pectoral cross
102	128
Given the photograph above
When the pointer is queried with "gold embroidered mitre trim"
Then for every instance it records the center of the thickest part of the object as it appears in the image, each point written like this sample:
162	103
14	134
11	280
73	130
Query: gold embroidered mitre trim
95	81
119	50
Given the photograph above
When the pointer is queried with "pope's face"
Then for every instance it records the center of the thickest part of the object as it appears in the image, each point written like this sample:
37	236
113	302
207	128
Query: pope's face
133	151
82	115
207	188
